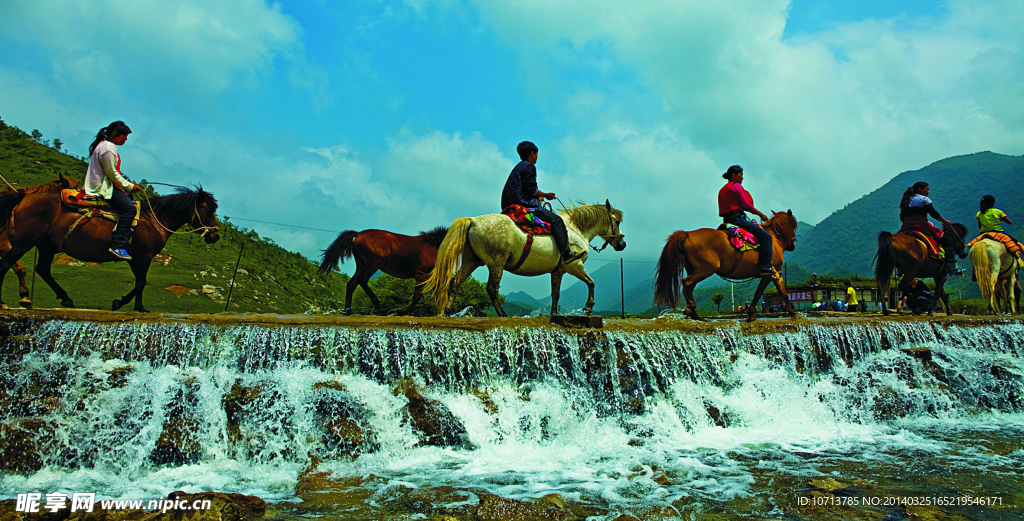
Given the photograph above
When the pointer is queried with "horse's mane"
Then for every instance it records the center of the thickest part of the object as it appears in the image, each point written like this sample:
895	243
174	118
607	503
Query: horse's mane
434	237
184	200
587	216
783	223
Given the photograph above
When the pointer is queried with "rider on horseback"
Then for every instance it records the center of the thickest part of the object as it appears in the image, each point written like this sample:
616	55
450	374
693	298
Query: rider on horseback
521	188
915	207
104	179
733	203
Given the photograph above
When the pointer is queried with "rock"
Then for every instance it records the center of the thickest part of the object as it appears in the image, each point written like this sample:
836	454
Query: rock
497	508
432	421
236	402
344	421
26	444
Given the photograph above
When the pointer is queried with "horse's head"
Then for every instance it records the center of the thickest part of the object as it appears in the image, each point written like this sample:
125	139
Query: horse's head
957	233
205	218
193	207
784	225
614	236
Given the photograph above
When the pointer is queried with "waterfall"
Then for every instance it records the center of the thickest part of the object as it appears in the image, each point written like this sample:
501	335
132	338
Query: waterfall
619	419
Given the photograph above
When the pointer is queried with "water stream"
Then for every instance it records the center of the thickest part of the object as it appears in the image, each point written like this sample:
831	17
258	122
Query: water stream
655	424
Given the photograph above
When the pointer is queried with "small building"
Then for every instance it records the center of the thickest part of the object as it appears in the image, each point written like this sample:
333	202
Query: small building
806	296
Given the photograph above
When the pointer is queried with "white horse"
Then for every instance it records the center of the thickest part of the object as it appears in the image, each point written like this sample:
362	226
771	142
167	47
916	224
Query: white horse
495	241
995	269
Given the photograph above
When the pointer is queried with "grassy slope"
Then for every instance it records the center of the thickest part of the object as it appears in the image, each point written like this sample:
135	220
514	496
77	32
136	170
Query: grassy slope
270	279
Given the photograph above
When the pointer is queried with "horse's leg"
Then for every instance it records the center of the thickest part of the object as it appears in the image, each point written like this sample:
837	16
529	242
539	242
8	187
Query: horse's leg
695	276
752	309
140	268
577	270
494	274
781	286
43	265
940	295
364	270
470	262
26	300
556	289
417	292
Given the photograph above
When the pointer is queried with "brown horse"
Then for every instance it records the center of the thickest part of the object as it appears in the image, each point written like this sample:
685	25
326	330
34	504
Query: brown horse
705	252
910	256
40	221
401	256
19	270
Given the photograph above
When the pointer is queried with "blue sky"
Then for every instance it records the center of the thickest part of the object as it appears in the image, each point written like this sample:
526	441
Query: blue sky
403	115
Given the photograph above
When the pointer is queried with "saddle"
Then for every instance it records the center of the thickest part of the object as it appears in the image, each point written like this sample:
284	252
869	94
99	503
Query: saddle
1011	246
740	239
92	206
930	243
526	221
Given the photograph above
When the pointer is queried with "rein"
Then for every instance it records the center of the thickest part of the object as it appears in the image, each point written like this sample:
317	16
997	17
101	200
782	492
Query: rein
607	237
204	228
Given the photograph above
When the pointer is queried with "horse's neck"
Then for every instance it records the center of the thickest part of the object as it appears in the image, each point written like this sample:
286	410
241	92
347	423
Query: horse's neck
587	234
165	223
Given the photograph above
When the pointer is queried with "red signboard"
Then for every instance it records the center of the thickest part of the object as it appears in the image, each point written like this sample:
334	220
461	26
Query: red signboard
801	296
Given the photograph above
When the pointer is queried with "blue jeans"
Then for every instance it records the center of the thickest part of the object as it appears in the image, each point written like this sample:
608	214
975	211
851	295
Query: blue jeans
764	239
125	208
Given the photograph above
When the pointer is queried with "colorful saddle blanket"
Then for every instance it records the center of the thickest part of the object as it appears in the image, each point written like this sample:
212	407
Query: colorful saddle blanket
1011	246
92	206
526	221
739	238
78	199
930	243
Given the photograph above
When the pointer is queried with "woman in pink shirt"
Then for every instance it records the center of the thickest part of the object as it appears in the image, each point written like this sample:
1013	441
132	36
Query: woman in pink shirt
733	203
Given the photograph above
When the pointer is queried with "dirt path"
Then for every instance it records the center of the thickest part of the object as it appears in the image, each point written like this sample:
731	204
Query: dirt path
664	323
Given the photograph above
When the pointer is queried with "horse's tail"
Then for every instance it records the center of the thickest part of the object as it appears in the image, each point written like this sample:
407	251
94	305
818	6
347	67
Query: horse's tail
449	257
885	264
7	203
983	269
338	251
669	271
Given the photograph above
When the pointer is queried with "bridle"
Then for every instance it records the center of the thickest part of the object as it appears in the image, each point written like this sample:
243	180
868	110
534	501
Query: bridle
192	229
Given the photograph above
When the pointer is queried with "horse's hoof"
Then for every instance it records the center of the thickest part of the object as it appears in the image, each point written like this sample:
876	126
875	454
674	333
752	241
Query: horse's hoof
25	303
346	311
116	305
141	310
67	303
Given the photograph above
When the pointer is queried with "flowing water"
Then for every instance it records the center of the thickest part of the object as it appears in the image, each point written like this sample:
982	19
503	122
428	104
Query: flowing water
894	420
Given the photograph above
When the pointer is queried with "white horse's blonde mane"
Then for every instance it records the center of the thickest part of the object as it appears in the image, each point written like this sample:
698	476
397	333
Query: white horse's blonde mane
588	216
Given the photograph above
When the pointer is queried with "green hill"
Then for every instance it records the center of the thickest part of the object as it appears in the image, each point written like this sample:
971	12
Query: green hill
844	243
191	276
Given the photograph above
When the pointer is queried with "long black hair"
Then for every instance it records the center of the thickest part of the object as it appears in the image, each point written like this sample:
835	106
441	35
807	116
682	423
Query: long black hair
910	193
115	128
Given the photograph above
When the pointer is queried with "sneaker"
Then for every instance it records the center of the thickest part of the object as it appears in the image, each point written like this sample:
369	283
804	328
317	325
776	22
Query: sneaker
953	269
767	272
572	257
120	253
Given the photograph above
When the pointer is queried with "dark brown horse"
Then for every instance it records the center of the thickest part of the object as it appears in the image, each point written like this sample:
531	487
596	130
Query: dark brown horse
39	220
705	252
19	270
401	256
910	256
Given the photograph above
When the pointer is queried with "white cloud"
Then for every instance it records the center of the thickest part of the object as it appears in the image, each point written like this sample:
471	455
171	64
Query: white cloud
179	50
823	118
